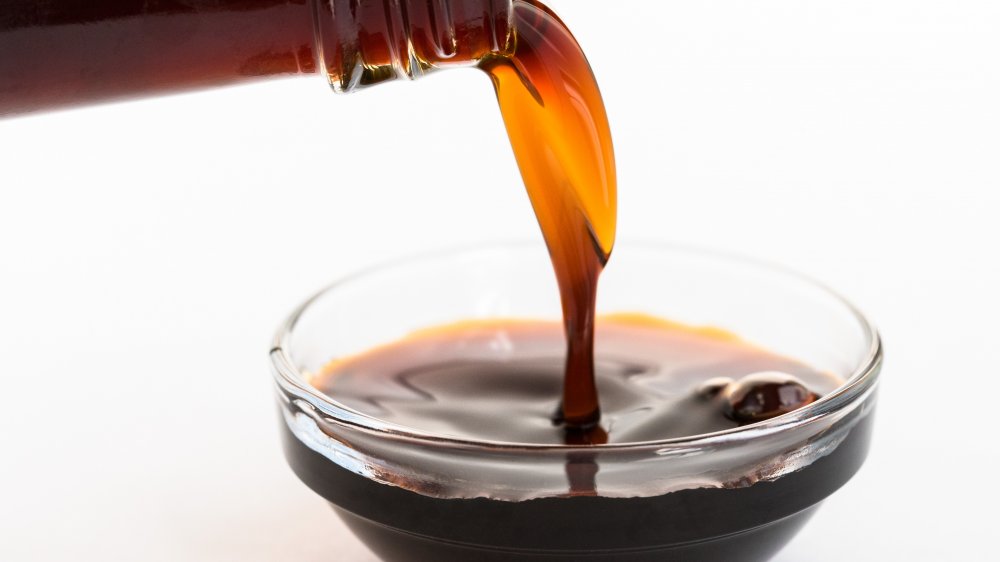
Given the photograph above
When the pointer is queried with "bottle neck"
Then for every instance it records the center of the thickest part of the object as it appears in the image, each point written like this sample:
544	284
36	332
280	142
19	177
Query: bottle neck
363	43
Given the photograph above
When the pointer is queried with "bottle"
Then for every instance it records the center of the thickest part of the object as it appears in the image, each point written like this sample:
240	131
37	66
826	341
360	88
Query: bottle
60	53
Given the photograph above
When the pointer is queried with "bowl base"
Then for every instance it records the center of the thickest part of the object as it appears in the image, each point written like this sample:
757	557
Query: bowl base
754	545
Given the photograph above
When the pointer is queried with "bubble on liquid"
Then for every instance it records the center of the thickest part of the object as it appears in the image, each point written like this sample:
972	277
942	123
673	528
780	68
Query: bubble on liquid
760	396
713	387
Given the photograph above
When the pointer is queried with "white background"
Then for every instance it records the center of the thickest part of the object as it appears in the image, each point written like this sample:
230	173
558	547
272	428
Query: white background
148	250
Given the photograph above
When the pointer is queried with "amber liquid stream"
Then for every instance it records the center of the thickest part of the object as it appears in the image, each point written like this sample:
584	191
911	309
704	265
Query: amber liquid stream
559	131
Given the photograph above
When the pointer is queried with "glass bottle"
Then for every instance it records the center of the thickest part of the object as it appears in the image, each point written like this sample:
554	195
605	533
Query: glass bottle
59	53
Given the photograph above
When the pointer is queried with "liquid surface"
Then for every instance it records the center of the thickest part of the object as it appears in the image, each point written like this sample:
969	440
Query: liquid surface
500	380
559	131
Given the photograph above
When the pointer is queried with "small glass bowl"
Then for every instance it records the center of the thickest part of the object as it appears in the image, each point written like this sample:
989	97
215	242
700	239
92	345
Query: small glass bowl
738	494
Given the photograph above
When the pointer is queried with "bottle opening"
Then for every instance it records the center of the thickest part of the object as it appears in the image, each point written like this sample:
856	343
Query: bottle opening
365	43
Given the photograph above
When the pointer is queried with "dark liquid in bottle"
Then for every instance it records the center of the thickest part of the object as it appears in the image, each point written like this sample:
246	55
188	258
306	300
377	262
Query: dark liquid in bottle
59	53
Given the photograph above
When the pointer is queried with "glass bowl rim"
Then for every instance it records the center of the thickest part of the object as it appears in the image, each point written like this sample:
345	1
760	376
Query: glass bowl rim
854	390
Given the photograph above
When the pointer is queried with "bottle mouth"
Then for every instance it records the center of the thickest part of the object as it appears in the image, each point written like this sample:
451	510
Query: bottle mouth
361	44
857	387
